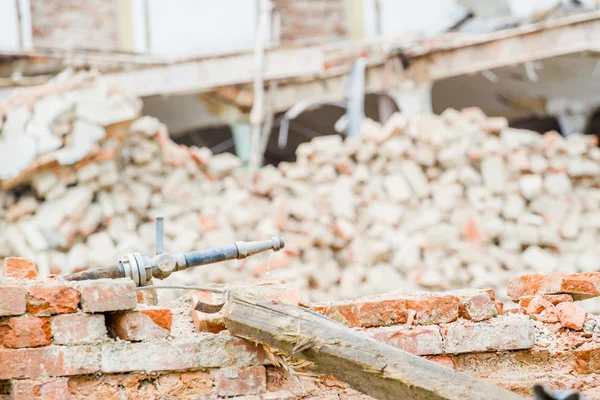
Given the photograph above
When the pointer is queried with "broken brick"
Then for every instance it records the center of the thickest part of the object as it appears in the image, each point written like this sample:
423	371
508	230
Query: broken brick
19	268
144	324
25	331
51	297
571	315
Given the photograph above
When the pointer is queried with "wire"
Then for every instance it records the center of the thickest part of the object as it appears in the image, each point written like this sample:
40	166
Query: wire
207	288
223	146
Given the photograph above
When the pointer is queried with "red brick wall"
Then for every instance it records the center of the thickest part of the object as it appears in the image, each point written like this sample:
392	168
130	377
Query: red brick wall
95	340
311	21
93	24
69	24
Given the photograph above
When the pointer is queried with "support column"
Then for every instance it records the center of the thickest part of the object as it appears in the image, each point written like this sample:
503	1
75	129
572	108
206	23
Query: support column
386	107
242	138
572	116
416	99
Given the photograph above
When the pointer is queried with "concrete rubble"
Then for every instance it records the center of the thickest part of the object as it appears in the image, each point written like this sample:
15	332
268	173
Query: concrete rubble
422	202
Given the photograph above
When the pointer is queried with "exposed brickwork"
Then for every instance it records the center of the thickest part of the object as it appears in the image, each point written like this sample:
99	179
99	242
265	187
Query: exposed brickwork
553	299
311	21
18	332
48	361
51	297
70	329
141	325
580	286
70	24
476	305
420	308
421	340
48	389
152	352
434	309
12	299
366	312
506	333
239	382
214	323
19	268
107	295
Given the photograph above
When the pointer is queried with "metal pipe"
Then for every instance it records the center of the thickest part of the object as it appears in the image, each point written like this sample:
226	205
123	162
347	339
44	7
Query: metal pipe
210	256
159	228
141	268
238	250
103	273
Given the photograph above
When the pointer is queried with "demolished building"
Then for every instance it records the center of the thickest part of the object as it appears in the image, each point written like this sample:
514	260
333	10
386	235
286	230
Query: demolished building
101	339
417	202
510	58
466	204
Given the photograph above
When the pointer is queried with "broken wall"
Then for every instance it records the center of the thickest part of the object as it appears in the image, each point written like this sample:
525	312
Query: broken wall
72	24
102	339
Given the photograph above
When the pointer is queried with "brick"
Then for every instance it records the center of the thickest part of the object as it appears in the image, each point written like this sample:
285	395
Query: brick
51	297
535	305
543	309
366	312
498	334
429	308
49	389
48	361
445	361
72	329
24	206
571	316
241	382
193	352
580	286
420	340
279	395
177	385
214	323
140	325
13	300
587	361
148	297
107	295
434	308
500	308
211	323
19	268
475	305
18	332
554	299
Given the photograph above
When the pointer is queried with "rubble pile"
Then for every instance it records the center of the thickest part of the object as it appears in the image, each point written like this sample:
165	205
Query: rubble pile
439	202
425	201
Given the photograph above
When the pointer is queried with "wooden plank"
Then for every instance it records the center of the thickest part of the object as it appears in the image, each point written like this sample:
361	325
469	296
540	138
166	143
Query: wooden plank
367	365
504	50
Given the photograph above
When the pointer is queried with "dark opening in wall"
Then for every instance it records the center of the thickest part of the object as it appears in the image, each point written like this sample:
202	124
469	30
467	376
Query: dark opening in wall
593	127
219	139
319	121
535	123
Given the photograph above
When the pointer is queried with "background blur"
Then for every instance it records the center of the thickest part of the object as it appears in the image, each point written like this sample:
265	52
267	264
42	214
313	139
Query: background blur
427	198
543	83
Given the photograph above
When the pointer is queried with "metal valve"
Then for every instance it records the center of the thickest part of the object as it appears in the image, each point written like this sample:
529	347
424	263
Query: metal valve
142	268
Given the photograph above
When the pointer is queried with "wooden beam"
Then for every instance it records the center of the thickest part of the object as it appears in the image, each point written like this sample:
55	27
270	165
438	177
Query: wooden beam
368	365
206	74
515	46
314	71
